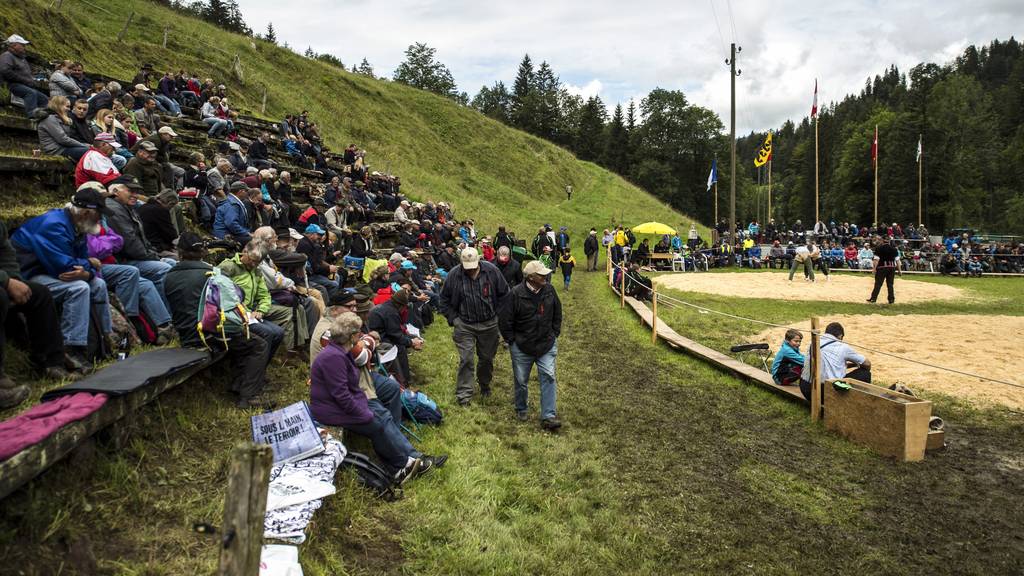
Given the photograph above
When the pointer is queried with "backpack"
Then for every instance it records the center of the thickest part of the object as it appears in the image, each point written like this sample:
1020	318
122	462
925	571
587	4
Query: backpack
420	408
372	476
221	311
98	347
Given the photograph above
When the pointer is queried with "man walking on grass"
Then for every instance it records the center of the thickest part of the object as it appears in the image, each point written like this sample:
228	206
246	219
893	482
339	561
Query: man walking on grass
531	323
471	299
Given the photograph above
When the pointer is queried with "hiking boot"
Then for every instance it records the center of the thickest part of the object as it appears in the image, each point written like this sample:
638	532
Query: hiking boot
485	391
74	360
165	335
256	402
522	415
408	472
13	396
551	424
58	373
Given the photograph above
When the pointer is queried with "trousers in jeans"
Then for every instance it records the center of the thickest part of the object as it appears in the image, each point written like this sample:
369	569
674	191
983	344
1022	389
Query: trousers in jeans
218	126
522	364
154	271
45	343
167	105
393	448
134	291
389	393
478	339
75	298
330	285
271	333
32	98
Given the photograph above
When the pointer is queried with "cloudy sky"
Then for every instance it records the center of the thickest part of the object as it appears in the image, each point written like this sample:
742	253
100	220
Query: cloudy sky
622	50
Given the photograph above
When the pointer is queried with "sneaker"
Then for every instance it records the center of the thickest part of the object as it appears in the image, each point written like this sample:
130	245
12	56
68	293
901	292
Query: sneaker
551	424
10	397
464	402
165	335
870	301
522	415
408	472
428	463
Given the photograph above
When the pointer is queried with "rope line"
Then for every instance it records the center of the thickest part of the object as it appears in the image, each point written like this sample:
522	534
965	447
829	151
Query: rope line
678	302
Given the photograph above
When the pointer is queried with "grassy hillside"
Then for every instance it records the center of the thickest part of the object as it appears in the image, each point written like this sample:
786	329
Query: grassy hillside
441	150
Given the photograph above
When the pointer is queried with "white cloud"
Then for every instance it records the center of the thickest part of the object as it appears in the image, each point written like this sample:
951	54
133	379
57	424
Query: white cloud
624	51
592	88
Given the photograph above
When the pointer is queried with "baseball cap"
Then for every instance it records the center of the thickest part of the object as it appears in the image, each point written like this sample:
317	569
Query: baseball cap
128	181
191	241
536	267
106	138
142	87
168	130
408	265
294	234
91	198
314	229
16	39
238	185
470	259
148	146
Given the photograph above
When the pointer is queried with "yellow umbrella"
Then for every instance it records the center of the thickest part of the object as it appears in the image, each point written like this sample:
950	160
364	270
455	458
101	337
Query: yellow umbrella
653	228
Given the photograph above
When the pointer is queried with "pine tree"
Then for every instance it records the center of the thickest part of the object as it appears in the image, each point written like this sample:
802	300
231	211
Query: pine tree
494	102
590	140
524	97
420	70
546	86
616	151
364	68
271	36
309	52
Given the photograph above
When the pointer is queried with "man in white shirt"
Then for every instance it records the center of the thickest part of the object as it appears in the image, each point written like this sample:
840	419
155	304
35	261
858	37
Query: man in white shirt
836	357
803	258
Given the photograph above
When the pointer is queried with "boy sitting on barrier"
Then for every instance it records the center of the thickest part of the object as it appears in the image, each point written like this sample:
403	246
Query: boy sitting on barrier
789	362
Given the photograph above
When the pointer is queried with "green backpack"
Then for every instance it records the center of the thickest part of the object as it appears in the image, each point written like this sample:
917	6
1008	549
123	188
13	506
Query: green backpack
221	311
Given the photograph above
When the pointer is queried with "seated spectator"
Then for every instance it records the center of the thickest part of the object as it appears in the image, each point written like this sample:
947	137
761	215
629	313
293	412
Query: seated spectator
362	245
167	94
777	256
80	129
105	121
147	118
104	99
401	213
337	400
137	251
248	353
133	291
145	169
53	131
789	362
275	323
642	254
851	256
259	156
35	303
16	72
163	141
239	157
219	127
389	319
321	270
62	84
865	257
52	251
836	358
158	223
231	218
96	164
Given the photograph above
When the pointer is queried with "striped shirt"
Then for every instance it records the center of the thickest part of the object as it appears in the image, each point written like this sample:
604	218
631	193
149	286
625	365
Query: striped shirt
473	300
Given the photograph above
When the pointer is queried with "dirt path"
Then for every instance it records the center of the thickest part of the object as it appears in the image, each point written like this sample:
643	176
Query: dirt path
840	288
984	345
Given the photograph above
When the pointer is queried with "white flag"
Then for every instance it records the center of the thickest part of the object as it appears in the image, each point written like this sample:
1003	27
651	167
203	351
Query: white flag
919	149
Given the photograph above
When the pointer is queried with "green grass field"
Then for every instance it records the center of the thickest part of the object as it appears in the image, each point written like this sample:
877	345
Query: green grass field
665	466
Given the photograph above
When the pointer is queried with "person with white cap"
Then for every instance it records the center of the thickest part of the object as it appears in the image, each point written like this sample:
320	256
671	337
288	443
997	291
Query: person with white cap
471	299
531	322
16	72
162	139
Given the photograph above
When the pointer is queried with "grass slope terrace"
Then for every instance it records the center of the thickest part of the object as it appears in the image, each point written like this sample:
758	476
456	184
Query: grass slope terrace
499	175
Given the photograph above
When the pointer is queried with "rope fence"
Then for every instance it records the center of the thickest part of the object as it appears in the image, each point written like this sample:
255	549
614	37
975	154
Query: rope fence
679	303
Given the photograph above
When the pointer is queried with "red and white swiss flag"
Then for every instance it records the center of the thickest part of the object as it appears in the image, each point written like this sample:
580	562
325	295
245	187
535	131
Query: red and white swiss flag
814	105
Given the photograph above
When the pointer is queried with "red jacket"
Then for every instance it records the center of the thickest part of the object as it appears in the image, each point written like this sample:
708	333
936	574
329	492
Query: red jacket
95	165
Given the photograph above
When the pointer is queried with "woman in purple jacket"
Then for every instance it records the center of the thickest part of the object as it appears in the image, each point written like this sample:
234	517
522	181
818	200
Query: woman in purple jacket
337	400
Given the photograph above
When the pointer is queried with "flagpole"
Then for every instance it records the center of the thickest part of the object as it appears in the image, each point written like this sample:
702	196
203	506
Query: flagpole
816	216
769	190
921	163
877	223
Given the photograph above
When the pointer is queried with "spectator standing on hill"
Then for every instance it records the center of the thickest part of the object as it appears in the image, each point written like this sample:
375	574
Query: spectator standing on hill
590	249
531	322
562	240
471	299
16	72
885	265
540	241
566	263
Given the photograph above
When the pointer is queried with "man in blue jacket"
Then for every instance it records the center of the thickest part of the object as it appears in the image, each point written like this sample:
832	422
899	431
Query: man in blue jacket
52	251
231	219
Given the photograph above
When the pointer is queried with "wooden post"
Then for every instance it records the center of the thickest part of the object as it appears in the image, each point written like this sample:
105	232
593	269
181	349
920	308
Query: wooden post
263	106
127	23
815	366
654	316
245	507
622	286
165	37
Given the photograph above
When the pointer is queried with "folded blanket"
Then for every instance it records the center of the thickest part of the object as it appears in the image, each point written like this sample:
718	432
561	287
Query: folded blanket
42	420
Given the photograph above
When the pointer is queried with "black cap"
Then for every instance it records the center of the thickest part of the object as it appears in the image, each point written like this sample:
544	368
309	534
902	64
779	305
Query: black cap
283	232
191	241
91	199
128	181
342	298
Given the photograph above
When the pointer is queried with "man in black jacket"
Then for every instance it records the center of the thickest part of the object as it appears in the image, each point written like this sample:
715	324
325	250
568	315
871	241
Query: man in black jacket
320	270
590	247
259	156
510	269
248	354
157	223
137	251
386	320
531	323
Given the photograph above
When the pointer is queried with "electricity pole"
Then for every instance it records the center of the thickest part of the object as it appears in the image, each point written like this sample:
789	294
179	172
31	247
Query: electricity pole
733	73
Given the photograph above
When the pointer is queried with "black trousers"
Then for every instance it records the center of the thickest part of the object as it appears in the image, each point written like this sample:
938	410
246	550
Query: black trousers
248	358
886	275
46	343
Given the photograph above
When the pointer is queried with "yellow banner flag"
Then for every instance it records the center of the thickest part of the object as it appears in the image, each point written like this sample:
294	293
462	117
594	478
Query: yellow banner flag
764	153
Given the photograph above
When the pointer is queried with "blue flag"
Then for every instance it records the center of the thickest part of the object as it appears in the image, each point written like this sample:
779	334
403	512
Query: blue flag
713	177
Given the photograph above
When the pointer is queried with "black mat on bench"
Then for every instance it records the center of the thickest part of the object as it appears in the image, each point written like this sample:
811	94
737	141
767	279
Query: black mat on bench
134	372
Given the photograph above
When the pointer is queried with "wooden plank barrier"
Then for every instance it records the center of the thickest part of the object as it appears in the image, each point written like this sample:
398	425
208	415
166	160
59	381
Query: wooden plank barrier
888	422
